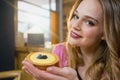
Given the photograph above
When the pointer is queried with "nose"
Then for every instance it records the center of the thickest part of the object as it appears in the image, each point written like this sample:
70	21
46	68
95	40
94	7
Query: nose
76	25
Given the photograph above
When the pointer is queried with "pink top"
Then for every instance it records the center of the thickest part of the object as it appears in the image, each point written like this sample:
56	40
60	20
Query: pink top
60	50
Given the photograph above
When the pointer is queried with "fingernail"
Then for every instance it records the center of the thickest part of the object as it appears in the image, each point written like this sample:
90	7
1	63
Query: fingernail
49	69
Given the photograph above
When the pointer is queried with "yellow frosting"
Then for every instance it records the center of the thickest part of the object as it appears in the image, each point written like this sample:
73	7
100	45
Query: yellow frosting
51	59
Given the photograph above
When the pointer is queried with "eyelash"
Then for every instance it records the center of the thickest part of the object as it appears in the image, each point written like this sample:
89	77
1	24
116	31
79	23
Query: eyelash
74	16
89	22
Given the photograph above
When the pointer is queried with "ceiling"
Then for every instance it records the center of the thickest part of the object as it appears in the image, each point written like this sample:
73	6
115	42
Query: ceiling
39	2
43	2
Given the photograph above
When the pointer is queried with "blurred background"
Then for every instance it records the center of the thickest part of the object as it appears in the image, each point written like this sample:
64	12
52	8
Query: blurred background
28	26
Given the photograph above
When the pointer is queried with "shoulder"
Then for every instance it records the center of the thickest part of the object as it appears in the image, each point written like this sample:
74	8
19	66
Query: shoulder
59	49
59	46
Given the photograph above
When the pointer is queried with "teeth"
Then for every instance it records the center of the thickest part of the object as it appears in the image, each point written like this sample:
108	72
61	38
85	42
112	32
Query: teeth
74	34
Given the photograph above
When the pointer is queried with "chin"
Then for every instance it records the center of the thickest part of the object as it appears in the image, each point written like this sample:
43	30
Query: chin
73	43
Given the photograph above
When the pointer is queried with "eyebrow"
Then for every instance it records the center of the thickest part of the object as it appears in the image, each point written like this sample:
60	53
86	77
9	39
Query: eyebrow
91	18
88	16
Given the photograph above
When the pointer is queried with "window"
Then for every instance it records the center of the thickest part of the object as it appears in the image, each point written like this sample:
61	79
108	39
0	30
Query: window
34	17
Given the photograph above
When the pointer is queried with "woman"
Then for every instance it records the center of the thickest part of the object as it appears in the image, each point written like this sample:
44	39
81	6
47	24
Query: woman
92	50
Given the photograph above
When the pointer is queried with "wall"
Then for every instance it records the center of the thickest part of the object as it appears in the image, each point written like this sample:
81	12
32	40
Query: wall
7	48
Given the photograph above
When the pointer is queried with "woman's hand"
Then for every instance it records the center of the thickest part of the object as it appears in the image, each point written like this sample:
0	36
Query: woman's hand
52	73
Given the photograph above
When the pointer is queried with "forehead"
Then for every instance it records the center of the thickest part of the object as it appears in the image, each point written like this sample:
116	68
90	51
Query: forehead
90	7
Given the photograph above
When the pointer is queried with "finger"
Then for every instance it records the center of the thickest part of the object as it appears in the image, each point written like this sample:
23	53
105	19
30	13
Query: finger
65	72
39	74
28	67
59	71
48	76
31	70
28	72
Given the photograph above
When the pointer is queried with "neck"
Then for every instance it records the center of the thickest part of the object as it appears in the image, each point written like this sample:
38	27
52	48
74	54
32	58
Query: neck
88	56
87	59
88	53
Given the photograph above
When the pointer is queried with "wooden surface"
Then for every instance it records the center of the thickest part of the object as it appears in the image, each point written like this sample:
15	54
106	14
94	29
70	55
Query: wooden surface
16	74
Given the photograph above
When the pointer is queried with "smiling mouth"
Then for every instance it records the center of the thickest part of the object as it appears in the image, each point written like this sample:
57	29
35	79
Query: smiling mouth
74	35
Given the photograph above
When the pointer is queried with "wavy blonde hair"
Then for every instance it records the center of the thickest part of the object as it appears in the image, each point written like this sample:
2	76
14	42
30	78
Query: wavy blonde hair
106	61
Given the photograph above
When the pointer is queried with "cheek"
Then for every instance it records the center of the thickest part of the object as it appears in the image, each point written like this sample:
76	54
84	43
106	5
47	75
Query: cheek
93	34
70	24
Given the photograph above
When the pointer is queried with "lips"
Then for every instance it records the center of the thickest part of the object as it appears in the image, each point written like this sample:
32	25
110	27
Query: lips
74	35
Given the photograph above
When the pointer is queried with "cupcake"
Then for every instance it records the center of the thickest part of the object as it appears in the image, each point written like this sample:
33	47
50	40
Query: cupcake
42	60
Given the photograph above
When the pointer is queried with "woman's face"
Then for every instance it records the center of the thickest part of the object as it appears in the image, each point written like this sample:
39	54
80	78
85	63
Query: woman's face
86	25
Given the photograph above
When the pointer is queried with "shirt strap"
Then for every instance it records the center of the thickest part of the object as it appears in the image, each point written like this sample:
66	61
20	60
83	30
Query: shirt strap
78	75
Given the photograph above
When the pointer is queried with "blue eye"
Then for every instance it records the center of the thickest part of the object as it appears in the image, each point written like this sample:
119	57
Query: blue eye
90	23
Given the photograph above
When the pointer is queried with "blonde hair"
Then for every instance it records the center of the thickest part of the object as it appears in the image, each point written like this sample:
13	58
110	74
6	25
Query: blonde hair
107	58
111	9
